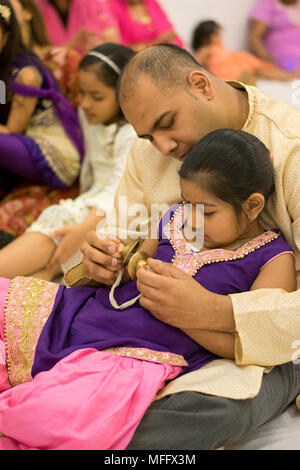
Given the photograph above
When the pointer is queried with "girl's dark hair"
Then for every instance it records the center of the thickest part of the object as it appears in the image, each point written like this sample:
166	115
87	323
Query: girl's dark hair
202	34
117	53
231	165
13	45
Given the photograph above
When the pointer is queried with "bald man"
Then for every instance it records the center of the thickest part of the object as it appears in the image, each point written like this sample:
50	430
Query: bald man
172	102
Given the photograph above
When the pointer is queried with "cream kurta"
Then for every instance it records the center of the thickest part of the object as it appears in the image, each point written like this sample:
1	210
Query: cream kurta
267	321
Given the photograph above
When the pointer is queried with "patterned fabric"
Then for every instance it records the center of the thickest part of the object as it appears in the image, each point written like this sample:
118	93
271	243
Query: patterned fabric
25	203
63	63
191	262
28	305
150	356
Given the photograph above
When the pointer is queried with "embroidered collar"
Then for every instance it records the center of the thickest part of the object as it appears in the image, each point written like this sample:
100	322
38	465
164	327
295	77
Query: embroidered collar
190	262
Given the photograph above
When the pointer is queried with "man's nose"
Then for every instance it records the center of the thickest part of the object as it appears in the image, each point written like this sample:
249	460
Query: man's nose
165	144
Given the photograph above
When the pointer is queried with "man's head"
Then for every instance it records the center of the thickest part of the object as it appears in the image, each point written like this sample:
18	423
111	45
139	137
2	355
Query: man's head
170	99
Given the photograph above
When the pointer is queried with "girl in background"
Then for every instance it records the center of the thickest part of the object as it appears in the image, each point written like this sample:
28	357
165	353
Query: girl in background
60	230
40	136
105	366
209	50
25	202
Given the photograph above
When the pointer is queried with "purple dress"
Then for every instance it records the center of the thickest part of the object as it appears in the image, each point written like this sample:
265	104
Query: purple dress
282	39
83	317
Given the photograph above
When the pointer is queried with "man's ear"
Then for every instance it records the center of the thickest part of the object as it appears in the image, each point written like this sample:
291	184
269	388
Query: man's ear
199	82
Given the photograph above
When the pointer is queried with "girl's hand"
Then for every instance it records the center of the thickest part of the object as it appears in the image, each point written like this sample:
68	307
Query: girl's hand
72	238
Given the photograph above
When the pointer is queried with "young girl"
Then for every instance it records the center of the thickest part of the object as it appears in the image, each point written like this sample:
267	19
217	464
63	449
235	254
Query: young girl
40	137
58	233
104	366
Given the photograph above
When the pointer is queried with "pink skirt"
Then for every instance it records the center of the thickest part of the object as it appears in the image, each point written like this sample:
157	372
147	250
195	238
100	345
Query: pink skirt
90	400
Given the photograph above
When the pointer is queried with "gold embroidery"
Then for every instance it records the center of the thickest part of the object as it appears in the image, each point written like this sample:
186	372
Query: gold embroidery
28	306
57	149
150	355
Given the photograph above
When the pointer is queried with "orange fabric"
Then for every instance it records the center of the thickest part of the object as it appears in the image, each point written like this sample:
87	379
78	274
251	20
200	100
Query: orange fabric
229	65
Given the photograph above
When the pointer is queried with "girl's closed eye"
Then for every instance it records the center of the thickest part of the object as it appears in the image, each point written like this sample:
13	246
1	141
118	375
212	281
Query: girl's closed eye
97	98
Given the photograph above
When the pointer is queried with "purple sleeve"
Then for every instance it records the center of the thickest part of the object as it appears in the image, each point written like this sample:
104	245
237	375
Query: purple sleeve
263	11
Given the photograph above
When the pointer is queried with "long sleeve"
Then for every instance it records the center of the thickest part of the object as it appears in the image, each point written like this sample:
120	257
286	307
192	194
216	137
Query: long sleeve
104	200
149	185
268	320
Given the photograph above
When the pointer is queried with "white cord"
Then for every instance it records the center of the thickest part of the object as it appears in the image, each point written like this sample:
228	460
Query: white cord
112	291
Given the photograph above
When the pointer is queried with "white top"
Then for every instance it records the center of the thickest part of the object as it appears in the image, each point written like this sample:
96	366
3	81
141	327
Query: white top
106	150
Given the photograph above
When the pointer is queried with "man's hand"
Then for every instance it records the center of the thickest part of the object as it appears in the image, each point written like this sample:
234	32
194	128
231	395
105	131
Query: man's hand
176	298
171	295
102	258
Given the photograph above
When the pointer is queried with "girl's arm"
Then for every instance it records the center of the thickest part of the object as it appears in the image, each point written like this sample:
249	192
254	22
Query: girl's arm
23	107
278	273
72	237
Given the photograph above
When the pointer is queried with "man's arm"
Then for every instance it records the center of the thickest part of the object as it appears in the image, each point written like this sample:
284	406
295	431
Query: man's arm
99	252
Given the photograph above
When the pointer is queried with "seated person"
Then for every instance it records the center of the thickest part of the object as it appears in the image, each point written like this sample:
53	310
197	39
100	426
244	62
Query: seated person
209	50
274	32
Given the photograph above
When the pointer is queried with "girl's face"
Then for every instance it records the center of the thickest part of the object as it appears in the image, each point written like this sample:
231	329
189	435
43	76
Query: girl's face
221	225
97	100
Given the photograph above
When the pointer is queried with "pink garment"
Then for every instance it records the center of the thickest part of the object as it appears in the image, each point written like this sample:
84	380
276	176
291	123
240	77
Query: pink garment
135	33
90	400
92	14
282	39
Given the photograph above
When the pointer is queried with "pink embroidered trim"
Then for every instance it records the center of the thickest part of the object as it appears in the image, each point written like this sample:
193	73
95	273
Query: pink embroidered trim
28	306
190	262
150	355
